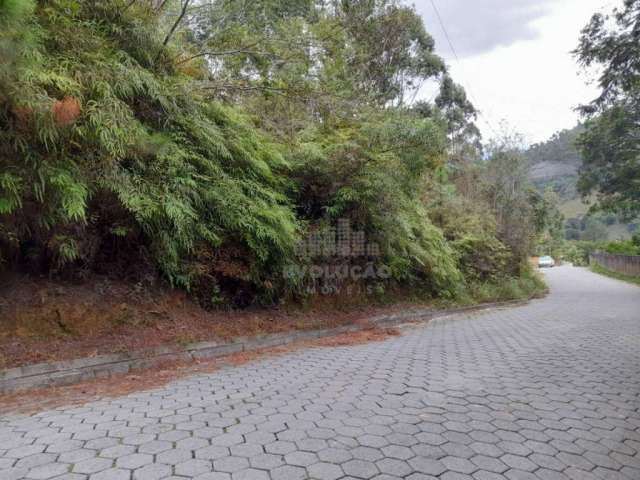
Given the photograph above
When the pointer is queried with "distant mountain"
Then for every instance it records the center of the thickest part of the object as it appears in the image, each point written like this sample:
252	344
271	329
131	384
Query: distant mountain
555	163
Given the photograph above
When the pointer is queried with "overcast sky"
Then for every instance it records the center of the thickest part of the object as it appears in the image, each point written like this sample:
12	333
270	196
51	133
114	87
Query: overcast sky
515	59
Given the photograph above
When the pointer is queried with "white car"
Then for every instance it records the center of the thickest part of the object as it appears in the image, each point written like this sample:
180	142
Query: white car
546	262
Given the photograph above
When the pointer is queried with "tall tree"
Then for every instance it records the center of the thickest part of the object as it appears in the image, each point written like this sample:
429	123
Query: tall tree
454	109
390	52
611	144
509	193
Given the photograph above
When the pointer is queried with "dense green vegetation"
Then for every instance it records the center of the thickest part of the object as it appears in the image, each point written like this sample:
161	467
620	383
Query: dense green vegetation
203	141
600	159
577	252
616	275
555	166
611	144
628	247
555	163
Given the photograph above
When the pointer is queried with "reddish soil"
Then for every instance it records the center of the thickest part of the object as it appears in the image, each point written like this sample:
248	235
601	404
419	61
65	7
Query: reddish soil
43	320
358	338
119	385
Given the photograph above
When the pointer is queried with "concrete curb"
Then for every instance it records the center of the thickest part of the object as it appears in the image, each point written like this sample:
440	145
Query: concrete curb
74	371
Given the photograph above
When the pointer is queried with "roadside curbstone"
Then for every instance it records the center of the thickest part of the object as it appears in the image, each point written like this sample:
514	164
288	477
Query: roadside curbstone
68	372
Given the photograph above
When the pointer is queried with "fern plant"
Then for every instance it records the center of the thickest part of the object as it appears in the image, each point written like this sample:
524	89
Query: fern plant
86	116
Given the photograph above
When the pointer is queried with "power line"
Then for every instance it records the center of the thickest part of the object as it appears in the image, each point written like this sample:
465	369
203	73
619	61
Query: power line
455	55
444	30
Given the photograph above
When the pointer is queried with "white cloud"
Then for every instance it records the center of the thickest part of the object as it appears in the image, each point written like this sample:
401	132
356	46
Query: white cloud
480	26
528	78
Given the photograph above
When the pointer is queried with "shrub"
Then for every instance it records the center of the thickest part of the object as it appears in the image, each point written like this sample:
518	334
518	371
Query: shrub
365	173
103	151
628	247
482	258
114	159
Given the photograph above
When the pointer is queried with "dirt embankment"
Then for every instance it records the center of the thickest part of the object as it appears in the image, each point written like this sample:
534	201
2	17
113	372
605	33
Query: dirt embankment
43	320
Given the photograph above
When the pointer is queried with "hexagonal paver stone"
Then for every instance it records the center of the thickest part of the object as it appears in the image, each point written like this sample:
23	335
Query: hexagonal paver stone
123	432
75	456
334	455
266	461
373	441
173	457
64	446
518	463
92	465
250	474
192	443
6	463
173	436
117	451
288	472
214	476
547	461
490	464
367	453
546	474
428	451
112	474
577	474
154	446
420	476
325	471
360	468
212	453
280	447
192	468
486	475
71	476
246	450
46	471
100	443
138	439
312	444
154	471
460	465
427	465
25	451
14	473
227	440
260	438
36	460
134	461
393	466
455	476
434	439
301	459
398	451
402	439
230	464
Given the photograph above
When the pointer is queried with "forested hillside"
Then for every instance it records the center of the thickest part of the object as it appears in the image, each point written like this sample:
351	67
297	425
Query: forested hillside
226	147
555	165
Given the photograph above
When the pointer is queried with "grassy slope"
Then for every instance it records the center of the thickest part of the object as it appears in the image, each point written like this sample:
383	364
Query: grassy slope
576	208
616	275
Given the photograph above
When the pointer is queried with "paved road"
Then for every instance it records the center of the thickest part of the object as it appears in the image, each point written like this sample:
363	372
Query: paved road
546	391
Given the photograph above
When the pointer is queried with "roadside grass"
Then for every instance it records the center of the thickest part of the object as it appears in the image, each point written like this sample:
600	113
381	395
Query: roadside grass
618	276
529	285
